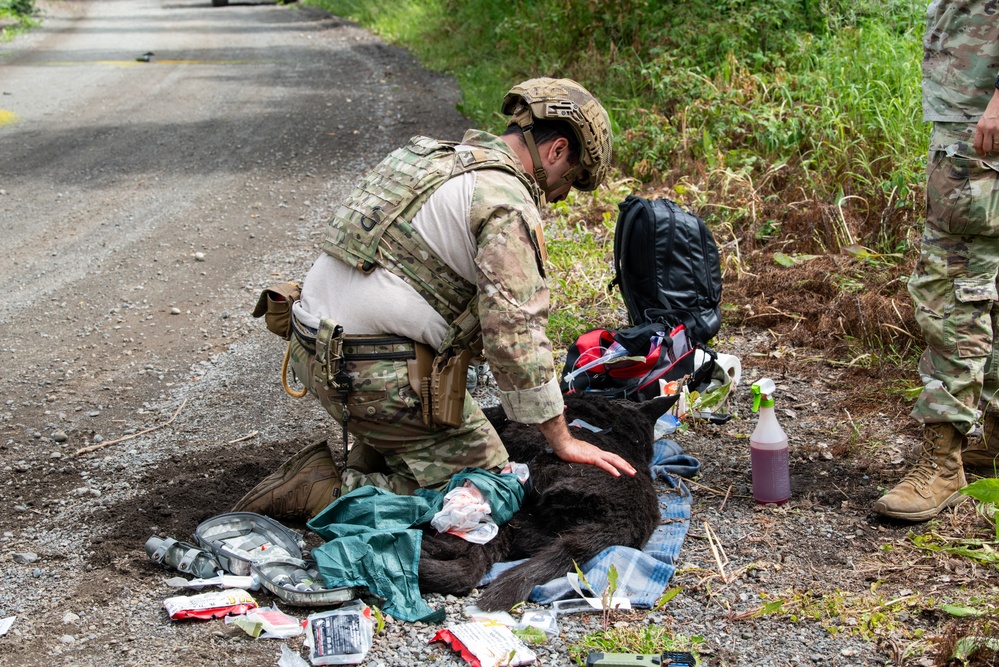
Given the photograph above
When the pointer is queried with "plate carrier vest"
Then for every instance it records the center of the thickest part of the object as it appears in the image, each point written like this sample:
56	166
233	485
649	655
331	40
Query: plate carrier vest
372	227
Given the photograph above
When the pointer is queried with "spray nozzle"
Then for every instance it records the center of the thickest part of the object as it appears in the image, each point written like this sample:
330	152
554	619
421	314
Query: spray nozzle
763	393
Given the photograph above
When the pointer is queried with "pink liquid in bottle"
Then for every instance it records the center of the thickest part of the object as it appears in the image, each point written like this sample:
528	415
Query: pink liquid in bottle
771	480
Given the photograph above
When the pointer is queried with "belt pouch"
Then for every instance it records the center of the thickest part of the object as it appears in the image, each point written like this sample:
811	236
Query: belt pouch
275	305
329	354
447	388
419	370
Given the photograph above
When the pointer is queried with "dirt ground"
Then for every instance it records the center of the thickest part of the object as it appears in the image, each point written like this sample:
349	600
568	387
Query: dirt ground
143	205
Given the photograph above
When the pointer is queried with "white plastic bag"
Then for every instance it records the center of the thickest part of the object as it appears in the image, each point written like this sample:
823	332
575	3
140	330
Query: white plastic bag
466	514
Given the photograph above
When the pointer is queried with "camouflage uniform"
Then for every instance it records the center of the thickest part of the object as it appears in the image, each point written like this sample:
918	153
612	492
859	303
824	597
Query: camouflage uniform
953	286
393	448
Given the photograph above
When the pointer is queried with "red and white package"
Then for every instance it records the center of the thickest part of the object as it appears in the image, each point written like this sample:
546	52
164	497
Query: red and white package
486	644
215	604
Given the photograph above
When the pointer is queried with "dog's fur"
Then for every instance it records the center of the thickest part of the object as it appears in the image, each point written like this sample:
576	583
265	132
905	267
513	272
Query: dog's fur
570	513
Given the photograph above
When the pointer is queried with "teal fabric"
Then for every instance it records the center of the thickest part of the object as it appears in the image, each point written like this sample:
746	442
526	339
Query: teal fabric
504	493
373	539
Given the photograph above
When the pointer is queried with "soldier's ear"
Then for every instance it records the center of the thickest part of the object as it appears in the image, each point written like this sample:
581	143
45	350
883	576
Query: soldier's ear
557	149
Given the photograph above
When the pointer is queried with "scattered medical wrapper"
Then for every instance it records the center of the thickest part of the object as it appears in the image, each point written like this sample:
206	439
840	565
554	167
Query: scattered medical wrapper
341	636
466	514
223	580
215	604
267	623
486	644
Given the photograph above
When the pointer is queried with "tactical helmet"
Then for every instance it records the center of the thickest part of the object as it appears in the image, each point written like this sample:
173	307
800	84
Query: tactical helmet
564	100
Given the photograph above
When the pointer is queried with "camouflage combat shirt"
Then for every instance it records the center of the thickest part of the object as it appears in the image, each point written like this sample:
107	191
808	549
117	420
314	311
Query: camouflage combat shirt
960	64
513	298
960	59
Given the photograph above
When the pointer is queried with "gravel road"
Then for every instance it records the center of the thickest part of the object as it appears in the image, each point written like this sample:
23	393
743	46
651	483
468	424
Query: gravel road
161	162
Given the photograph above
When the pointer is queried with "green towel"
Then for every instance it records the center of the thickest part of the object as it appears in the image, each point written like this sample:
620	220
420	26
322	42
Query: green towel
372	539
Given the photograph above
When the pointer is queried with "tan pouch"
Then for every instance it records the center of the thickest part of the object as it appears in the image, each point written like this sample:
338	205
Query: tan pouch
275	304
443	393
419	370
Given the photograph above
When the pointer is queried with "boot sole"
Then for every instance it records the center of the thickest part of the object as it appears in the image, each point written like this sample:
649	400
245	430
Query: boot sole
955	499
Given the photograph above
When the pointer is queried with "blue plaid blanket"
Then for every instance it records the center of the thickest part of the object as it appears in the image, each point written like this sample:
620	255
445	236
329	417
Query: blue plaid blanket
641	575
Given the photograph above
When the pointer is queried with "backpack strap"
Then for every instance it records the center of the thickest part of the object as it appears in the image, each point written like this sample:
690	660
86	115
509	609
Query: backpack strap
630	209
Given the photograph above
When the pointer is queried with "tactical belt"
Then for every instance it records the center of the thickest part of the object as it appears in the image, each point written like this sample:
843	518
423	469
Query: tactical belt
370	347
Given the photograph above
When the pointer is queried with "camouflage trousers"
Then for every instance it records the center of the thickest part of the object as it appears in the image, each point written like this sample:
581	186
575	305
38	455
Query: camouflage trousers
393	448
953	289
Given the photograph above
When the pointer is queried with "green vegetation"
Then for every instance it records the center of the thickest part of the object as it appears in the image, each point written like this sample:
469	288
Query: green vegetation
15	15
791	126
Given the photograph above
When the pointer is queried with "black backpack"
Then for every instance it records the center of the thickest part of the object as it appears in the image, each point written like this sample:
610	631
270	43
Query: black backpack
667	266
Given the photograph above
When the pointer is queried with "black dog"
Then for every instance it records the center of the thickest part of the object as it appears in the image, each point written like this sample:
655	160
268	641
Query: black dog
570	513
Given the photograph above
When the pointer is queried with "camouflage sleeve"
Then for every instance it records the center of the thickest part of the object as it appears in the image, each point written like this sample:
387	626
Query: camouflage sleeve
513	298
960	56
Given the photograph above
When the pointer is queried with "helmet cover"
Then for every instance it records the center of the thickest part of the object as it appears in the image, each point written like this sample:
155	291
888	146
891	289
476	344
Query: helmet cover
565	100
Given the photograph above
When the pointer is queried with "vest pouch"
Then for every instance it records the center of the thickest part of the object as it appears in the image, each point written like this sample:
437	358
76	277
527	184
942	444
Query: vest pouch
443	393
275	304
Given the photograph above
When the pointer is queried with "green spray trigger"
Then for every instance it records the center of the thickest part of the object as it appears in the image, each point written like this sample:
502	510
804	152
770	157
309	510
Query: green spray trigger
763	393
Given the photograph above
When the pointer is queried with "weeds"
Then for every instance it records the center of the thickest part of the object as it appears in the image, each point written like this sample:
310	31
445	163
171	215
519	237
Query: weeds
980	550
870	617
970	642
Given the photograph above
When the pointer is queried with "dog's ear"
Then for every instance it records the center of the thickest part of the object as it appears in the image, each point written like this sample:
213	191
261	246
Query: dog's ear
657	407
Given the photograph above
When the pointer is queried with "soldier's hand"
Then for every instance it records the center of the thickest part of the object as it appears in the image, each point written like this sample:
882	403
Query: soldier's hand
570	449
580	451
987	130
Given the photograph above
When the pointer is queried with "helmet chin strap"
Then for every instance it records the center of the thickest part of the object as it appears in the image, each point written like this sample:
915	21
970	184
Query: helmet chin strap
539	171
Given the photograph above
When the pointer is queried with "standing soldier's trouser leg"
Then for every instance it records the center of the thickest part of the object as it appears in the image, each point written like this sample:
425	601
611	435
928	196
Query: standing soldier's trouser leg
953	289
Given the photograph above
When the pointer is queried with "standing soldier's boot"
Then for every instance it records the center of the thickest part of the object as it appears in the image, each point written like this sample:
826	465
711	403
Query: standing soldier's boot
300	489
985	458
933	482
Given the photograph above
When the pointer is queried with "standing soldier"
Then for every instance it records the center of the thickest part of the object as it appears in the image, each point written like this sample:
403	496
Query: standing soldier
953	286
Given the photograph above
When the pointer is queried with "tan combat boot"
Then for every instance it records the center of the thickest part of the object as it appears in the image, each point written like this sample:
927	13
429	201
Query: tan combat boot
300	489
985	456
933	482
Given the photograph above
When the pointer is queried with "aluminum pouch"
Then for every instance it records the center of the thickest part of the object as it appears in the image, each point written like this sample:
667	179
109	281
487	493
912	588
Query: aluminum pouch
241	539
300	584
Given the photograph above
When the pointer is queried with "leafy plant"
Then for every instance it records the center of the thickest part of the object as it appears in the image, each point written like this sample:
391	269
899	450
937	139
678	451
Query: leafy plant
986	491
23	8
606	595
23	13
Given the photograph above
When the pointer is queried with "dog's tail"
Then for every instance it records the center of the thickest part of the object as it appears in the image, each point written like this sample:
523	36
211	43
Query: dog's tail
554	560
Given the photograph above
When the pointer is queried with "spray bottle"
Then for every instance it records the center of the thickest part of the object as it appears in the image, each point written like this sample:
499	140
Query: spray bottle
768	449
